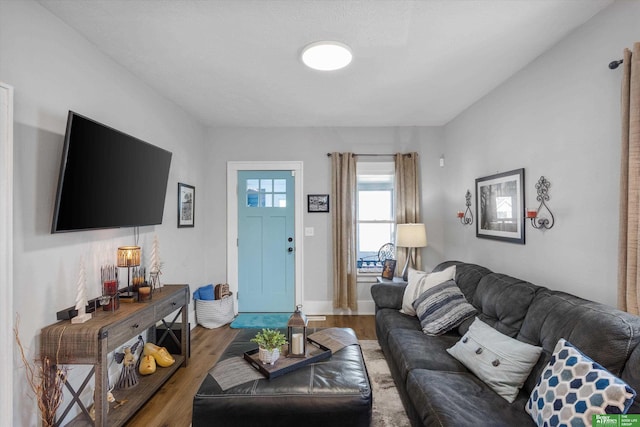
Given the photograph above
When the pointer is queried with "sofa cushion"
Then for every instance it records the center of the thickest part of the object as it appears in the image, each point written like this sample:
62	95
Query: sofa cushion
467	276
388	319
502	302
603	333
573	387
442	308
414	350
502	362
461	399
419	281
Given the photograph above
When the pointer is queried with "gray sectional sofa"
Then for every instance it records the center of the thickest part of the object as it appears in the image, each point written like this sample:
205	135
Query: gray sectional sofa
437	390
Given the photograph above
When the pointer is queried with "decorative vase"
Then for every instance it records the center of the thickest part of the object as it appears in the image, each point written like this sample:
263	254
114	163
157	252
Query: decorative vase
268	357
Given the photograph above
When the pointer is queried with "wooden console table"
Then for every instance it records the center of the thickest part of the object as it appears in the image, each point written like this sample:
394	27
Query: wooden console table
89	343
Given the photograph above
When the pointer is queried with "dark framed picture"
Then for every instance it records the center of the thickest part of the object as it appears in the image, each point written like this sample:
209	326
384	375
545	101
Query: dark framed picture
317	203
186	205
388	268
499	206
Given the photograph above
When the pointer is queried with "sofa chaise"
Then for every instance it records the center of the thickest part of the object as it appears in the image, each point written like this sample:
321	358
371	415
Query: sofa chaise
438	390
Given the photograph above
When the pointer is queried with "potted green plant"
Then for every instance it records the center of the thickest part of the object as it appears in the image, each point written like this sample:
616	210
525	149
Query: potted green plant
269	342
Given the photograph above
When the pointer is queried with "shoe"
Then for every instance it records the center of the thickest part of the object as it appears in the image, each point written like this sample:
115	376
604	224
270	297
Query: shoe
160	354
147	365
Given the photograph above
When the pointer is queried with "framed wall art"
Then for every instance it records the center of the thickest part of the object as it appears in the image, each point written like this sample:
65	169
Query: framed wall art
317	203
499	206
186	205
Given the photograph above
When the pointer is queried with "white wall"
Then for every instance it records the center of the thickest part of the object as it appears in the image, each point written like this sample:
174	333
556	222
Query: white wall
559	117
54	70
311	146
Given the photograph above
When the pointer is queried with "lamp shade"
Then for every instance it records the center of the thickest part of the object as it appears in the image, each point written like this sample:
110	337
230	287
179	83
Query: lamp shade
411	236
128	256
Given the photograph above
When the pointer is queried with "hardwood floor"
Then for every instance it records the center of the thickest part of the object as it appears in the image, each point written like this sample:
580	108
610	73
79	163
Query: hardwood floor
172	405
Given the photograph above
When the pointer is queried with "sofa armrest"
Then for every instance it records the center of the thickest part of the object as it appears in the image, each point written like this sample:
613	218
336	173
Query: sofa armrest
387	295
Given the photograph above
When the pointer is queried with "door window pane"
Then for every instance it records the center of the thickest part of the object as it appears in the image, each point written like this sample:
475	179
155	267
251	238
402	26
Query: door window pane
279	185
266	185
280	200
266	193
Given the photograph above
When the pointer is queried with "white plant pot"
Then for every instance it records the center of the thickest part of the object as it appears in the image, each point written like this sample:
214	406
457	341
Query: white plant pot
268	356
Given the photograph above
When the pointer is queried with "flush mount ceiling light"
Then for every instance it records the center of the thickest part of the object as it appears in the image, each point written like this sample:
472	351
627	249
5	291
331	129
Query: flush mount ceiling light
326	55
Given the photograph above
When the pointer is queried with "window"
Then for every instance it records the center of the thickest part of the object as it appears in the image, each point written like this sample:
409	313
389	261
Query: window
266	193
375	212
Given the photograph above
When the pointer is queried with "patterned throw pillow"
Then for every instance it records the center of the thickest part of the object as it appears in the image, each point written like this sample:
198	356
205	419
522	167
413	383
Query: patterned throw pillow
573	387
442	308
419	281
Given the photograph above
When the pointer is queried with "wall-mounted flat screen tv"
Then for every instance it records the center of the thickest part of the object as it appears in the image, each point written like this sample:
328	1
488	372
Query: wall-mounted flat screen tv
108	179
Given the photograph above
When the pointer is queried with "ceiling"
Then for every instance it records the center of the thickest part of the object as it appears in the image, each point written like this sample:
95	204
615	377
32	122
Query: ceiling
237	62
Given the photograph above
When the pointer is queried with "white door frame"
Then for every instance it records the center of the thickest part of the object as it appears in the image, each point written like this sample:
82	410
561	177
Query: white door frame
232	220
6	253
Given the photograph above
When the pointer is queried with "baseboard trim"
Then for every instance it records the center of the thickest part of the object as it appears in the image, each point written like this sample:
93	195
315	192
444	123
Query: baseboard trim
366	307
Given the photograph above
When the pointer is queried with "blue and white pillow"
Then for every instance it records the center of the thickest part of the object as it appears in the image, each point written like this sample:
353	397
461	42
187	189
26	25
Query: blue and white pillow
573	387
442	308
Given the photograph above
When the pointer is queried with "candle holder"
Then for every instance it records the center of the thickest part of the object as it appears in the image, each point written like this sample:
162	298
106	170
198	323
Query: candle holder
297	334
539	221
466	217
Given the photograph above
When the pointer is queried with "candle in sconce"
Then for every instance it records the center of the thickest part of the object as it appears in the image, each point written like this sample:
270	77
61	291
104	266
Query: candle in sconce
532	213
460	214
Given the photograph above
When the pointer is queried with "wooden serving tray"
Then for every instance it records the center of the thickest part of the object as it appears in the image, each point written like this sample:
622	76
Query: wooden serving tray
315	353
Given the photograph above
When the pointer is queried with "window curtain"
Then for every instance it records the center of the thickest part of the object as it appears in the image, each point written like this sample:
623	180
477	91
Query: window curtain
629	251
407	201
343	215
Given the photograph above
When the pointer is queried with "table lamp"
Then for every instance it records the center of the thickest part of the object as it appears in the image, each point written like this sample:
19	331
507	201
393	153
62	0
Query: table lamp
128	256
410	236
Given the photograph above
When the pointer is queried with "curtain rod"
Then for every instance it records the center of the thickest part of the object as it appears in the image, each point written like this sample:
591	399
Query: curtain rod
614	64
368	155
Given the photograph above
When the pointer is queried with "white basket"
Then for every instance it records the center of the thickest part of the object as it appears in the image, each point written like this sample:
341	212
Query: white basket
213	314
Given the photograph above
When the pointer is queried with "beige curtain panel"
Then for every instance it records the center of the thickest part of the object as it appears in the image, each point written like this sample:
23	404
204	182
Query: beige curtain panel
629	252
343	216
407	200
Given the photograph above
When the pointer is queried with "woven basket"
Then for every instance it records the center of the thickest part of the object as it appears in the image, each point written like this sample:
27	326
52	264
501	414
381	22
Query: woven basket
213	314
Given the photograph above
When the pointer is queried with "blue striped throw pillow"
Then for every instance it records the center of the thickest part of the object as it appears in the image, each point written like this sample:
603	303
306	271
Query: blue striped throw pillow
442	308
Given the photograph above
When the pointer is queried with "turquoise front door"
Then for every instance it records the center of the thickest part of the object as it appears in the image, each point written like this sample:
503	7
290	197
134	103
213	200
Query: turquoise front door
266	251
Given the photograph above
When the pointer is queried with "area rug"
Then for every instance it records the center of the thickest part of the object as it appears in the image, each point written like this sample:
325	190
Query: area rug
387	407
260	320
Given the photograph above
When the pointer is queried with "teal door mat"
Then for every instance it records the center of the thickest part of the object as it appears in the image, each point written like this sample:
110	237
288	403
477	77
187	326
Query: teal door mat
261	320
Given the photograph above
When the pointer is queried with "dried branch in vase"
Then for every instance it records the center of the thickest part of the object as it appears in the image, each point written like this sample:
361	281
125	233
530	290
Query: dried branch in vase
46	378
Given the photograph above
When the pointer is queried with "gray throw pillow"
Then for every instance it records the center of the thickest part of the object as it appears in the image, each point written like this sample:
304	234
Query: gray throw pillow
502	362
442	308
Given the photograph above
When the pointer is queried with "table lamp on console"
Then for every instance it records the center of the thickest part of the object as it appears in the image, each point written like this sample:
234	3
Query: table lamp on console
410	236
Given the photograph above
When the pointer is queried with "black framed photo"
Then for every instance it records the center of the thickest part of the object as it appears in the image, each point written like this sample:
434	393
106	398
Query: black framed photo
499	206
186	205
317	203
388	268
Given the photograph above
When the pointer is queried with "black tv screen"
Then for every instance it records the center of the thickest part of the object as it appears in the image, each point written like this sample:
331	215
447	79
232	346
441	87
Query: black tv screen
108	179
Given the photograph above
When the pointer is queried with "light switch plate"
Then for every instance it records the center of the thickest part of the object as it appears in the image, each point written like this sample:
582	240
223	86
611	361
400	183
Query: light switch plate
309	231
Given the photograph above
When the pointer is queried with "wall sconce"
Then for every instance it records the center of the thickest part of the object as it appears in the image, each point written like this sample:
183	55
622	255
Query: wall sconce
466	217
537	220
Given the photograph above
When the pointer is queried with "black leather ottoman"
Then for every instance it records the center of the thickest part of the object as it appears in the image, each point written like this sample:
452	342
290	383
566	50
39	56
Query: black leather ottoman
332	392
